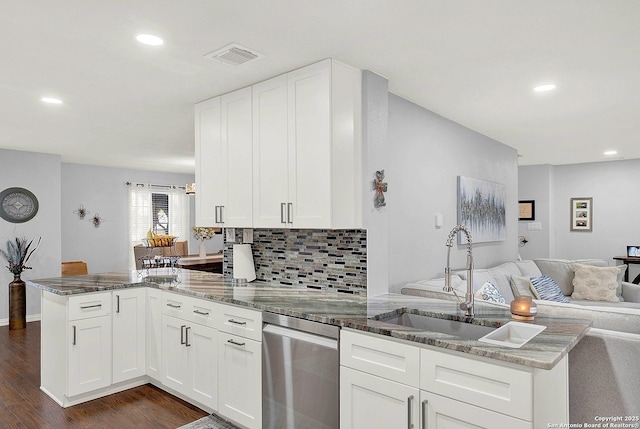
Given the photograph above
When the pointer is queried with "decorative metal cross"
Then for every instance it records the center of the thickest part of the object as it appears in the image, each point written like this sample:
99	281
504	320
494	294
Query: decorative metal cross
380	187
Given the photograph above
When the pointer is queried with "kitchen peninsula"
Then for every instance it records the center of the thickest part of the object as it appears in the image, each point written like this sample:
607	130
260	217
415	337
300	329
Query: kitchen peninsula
108	332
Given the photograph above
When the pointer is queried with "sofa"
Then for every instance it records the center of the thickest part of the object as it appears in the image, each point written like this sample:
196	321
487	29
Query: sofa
604	379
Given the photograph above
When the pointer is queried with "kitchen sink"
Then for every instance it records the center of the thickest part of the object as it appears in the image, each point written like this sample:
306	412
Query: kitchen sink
469	331
512	334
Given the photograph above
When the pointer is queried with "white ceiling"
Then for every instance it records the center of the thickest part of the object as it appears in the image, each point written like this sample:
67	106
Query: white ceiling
472	61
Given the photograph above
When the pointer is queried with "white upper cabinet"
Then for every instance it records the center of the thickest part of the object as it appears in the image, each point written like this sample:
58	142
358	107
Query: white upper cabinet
307	148
210	177
284	153
270	152
224	160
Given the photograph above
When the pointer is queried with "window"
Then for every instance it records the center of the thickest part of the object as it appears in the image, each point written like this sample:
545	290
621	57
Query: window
161	209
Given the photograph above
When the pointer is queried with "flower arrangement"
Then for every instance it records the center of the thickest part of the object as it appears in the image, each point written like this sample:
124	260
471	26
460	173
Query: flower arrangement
203	232
18	254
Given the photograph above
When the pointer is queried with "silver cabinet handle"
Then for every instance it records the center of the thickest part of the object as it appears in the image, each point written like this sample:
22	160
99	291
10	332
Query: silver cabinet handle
215	208
235	322
424	414
117	303
221	214
90	306
282	210
409	413
182	340
74	335
187	335
289	212
236	344
202	313
173	305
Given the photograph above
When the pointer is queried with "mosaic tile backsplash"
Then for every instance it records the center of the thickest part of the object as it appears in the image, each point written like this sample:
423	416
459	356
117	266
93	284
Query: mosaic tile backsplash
332	259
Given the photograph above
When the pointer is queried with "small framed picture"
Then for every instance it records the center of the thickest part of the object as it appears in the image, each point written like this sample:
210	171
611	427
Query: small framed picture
581	214
527	210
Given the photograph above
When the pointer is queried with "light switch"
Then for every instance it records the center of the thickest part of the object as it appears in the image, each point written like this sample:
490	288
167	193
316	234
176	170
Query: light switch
534	226
230	235
439	220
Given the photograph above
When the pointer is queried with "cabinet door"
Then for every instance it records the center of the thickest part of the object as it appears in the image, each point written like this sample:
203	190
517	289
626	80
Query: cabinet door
236	136
89	364
309	137
154	333
439	412
129	336
210	168
270	166
240	380
201	345
369	402
175	372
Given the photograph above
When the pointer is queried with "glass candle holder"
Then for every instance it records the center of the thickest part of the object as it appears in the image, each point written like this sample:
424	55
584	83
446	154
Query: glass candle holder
523	308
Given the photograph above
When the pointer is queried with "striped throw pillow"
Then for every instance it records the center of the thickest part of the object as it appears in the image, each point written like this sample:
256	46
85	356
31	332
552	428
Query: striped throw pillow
548	289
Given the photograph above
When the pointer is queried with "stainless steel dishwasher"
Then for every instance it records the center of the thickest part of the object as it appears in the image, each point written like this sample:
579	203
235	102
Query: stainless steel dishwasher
300	374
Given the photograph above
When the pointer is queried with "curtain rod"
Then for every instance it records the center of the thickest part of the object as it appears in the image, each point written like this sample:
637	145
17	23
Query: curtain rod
142	185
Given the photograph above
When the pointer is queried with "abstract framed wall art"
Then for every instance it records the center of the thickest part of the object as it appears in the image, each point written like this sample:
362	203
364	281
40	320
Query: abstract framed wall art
482	209
581	214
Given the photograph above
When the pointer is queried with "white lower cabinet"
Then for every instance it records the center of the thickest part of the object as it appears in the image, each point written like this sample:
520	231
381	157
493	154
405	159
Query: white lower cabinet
154	333
440	412
240	379
381	386
371	402
89	355
189	360
129	333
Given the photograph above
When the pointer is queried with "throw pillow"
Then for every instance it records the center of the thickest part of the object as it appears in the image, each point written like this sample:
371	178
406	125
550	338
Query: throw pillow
489	292
595	283
521	286
546	288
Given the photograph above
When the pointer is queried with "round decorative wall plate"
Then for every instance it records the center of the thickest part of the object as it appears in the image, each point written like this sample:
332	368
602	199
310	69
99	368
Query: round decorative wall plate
18	205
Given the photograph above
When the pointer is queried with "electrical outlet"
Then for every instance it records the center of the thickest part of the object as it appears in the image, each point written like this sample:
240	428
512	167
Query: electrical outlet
534	226
247	235
230	235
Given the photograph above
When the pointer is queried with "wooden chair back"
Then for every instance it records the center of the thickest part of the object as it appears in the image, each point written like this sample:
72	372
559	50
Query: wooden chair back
74	268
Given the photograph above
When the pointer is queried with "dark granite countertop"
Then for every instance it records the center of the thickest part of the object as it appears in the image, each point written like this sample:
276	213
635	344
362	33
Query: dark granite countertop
345	310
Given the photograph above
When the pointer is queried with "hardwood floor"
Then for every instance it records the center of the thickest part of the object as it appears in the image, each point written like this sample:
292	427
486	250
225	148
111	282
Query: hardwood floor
23	405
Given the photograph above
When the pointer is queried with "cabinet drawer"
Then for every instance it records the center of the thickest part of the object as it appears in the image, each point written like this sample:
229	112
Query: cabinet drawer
175	305
91	305
384	358
240	321
494	387
203	311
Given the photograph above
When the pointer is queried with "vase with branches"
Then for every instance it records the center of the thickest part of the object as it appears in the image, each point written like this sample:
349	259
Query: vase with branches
17	253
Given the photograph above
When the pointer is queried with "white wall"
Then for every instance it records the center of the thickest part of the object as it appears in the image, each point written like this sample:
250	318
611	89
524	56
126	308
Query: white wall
102	190
40	174
426	153
534	183
613	186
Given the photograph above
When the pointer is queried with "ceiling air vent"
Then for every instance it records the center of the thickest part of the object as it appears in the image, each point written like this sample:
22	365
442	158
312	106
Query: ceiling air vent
234	54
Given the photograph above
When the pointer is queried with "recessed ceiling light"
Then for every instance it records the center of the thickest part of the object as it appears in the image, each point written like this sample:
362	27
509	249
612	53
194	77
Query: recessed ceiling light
544	87
611	152
51	100
149	39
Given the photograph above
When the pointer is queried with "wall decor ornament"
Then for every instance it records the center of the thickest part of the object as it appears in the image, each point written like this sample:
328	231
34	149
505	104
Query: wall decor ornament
380	187
96	220
18	205
581	214
481	208
81	212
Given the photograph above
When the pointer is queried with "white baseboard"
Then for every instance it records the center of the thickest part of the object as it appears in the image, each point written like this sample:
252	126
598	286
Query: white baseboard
30	318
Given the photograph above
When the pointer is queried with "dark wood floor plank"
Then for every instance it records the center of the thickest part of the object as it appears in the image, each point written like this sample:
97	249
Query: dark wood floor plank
24	406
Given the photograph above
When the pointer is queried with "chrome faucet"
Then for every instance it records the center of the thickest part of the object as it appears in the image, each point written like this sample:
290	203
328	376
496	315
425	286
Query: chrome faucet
467	306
